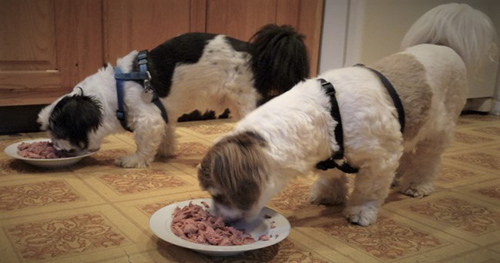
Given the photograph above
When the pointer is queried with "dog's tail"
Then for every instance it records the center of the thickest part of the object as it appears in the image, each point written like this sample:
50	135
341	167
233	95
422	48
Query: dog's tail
279	60
466	30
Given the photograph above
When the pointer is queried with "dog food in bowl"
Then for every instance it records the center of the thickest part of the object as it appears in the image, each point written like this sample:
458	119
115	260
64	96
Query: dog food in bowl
40	150
195	224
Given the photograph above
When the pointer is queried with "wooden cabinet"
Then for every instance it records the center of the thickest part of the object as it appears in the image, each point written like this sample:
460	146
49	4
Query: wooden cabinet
47	46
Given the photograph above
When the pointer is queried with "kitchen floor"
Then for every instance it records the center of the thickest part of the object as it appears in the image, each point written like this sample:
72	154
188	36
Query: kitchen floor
97	212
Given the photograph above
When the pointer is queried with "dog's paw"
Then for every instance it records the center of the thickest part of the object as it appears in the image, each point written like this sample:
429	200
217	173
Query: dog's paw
363	215
419	191
131	161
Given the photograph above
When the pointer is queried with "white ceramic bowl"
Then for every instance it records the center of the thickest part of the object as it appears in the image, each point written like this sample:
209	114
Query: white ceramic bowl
161	222
11	150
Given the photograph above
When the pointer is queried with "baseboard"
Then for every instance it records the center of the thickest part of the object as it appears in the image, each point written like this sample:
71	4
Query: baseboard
18	119
479	105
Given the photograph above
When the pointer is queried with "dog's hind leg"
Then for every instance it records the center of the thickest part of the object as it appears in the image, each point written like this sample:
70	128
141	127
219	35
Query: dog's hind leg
329	189
168	143
418	169
372	185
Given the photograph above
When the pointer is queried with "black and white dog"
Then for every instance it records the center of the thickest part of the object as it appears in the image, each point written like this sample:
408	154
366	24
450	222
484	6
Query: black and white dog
193	71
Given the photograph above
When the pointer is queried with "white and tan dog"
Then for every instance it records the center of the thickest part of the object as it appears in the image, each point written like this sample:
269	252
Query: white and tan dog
290	134
193	71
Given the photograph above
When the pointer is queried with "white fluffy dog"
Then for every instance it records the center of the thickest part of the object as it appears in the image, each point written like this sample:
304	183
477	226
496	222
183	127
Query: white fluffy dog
292	133
193	71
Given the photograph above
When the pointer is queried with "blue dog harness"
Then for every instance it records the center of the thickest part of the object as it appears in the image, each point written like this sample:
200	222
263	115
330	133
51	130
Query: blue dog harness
144	76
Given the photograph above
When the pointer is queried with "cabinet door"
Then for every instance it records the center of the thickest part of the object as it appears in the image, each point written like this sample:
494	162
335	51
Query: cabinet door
242	18
46	47
144	24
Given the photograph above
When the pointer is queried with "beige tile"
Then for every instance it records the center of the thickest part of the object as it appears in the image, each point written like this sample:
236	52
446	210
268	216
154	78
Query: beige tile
488	191
391	239
467	218
480	255
453	175
458	223
42	195
128	184
73	235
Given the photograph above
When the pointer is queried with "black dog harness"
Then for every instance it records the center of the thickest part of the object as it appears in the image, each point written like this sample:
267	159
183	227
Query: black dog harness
144	76
338	159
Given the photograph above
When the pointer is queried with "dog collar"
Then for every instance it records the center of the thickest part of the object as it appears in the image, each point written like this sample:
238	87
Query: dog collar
142	75
337	160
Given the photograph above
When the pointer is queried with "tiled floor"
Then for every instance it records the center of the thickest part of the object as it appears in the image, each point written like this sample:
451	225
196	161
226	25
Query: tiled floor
96	212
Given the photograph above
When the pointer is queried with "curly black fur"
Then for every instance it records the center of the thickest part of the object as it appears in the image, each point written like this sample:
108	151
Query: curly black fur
74	117
279	60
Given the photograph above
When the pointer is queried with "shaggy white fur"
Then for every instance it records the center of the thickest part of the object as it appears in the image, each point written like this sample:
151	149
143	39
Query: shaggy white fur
194	86
299	132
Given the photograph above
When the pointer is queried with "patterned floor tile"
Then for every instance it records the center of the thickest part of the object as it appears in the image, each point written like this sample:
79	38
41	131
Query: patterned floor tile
488	191
494	131
63	236
13	169
391	239
482	255
454	175
293	202
470	139
138	182
480	118
460	214
98	212
121	184
478	159
454	213
286	251
385	240
45	193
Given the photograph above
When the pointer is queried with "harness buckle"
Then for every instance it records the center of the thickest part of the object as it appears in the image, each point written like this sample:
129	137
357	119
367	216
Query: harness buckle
147	83
120	115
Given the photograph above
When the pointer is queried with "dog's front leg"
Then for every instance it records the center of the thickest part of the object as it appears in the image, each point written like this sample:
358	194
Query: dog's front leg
329	189
372	185
148	136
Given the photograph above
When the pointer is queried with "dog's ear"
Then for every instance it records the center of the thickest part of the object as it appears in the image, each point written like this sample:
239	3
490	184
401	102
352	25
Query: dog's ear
238	166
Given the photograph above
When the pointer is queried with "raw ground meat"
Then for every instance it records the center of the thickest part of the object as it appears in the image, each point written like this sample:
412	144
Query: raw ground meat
264	238
195	224
39	150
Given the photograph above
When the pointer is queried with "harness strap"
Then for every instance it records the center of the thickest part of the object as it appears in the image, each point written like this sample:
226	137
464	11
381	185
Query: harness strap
120	113
142	75
157	102
394	95
337	160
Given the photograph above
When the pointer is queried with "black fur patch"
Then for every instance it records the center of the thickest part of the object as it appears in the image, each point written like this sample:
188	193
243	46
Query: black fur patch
279	60
184	49
238	45
74	117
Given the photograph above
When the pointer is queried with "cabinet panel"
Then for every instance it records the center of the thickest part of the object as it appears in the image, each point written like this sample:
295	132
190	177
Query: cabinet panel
59	44
47	46
242	18
239	18
34	47
133	24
